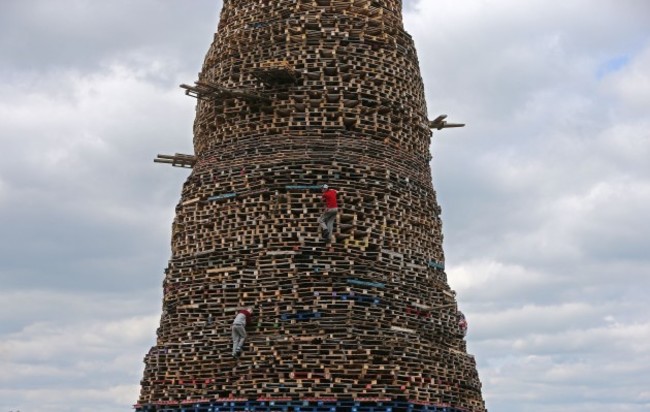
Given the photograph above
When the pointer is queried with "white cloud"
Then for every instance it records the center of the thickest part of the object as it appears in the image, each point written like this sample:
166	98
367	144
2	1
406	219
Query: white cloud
53	366
579	367
52	341
492	281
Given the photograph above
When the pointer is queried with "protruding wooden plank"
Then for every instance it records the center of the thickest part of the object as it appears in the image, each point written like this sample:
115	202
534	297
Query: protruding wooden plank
399	329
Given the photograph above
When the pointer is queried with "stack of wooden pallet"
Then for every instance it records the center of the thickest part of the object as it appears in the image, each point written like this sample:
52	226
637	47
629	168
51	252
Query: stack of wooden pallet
295	94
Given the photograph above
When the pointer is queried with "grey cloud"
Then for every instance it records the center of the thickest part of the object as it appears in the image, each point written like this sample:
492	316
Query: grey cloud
24	307
409	5
40	34
572	368
73	187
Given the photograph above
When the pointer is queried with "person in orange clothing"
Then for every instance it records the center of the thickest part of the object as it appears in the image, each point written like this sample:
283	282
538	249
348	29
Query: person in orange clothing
328	217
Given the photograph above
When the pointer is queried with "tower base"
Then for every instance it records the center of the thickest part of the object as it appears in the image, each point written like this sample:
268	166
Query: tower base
306	405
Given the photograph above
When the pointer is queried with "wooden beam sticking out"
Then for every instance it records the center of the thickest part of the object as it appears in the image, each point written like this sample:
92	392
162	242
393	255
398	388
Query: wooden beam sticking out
400	329
177	160
206	90
440	123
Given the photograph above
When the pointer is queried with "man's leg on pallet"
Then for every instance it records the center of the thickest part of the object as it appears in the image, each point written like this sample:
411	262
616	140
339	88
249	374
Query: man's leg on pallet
323	225
238	338
329	217
330	221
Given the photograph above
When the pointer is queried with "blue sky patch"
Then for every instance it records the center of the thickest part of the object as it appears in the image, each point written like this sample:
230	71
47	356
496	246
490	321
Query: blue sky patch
612	65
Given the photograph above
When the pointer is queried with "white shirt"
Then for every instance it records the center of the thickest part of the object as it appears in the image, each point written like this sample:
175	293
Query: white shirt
240	319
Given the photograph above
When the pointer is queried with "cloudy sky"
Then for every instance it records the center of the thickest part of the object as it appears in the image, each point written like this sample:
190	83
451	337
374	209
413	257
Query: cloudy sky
543	194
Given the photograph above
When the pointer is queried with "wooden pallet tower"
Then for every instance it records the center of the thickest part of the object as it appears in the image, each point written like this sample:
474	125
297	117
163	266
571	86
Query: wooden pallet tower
294	94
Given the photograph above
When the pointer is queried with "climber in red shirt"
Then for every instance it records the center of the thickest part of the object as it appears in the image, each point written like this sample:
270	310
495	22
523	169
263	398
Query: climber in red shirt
328	217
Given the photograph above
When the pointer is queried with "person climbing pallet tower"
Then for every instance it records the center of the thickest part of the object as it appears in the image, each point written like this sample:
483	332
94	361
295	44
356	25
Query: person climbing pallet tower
294	94
326	220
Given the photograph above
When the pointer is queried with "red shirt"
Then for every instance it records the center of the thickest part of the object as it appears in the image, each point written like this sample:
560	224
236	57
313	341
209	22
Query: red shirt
330	198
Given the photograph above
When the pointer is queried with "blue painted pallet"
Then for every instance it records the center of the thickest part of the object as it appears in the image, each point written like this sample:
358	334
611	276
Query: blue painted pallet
298	406
353	297
301	315
367	299
366	283
361	299
304	187
436	265
222	197
198	408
